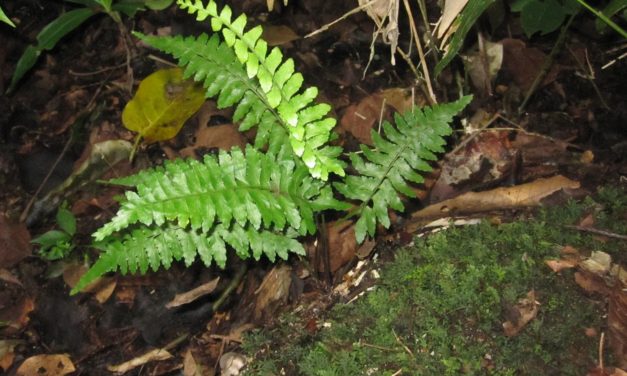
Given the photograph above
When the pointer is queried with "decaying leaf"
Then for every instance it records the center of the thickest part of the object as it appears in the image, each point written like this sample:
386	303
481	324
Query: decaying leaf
192	295
599	274
14	242
360	118
570	258
529	194
6	352
162	104
274	290
342	247
524	311
46	365
16	314
277	35
151	356
231	363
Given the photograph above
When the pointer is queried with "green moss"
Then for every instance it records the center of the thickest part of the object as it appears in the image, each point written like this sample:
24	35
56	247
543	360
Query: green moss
440	305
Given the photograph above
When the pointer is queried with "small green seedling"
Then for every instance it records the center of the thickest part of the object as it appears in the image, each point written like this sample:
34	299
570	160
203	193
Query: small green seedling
57	244
69	21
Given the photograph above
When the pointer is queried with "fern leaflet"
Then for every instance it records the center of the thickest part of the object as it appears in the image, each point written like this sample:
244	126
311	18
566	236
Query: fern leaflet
394	160
213	63
308	127
255	188
152	247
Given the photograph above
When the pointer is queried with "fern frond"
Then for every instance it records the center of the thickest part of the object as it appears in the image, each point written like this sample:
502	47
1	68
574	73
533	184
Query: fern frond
308	127
214	64
396	158
263	190
146	247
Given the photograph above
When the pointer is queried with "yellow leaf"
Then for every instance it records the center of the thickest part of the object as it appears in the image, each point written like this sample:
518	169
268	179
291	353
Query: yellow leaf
162	104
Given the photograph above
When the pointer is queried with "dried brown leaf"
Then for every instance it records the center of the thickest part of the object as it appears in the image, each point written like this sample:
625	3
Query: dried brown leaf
192	295
46	365
525	310
14	242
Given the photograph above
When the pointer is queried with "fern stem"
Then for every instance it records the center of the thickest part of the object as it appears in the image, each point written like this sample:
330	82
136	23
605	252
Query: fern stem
237	279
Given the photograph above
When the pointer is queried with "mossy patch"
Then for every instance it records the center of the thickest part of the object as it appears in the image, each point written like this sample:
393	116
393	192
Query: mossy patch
439	306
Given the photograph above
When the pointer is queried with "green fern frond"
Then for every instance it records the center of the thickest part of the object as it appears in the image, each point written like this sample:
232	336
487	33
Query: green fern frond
255	188
152	247
397	158
307	124
215	65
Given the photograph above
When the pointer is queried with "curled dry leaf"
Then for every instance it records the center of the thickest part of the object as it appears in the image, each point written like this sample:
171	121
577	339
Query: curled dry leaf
6	352
231	364
46	365
274	290
599	274
151	356
342	247
192	295
570	258
522	313
524	195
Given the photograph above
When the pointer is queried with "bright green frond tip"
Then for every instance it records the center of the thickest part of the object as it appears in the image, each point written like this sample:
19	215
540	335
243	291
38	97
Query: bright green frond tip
398	157
272	97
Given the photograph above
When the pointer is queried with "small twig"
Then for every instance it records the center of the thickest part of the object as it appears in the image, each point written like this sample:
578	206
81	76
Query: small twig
589	76
103	70
425	21
548	62
419	77
344	16
162	61
613	61
381	116
398	339
596	231
601	344
421	55
365	344
473	135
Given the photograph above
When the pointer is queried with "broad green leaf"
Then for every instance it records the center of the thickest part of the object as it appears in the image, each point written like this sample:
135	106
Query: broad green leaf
106	4
162	104
50	35
128	7
464	23
5	19
51	238
24	64
158	4
47	40
66	221
609	11
543	16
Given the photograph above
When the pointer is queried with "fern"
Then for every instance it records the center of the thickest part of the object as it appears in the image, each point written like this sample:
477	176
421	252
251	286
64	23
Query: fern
213	63
395	159
153	247
255	200
256	188
308	127
259	202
